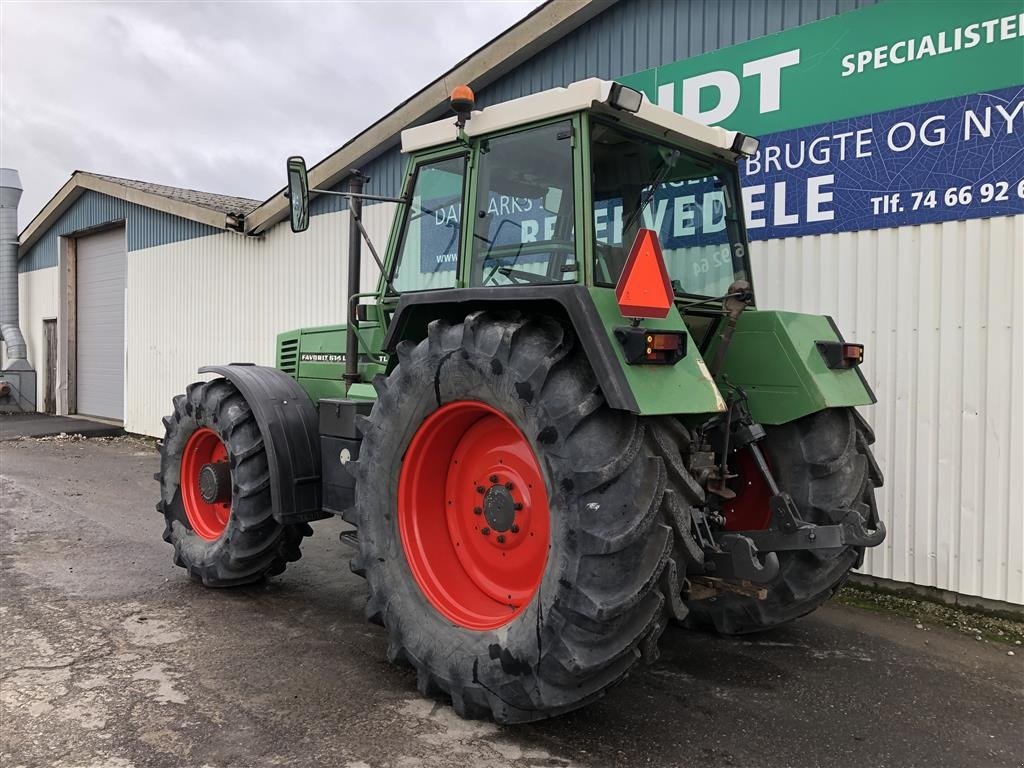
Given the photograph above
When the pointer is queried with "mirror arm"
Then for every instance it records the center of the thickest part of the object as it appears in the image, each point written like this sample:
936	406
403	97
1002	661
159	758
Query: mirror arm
377	198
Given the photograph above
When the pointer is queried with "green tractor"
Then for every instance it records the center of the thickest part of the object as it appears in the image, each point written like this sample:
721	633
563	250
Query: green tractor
559	423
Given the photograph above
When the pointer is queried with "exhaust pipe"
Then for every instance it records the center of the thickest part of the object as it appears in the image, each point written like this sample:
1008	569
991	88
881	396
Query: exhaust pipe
18	379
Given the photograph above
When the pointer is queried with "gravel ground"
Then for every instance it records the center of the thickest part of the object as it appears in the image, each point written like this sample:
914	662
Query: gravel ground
112	658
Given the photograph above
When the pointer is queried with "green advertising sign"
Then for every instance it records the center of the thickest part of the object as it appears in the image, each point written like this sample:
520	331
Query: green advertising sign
890	55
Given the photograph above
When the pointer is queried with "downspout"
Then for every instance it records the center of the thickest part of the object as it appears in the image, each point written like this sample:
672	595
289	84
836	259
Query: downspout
10	195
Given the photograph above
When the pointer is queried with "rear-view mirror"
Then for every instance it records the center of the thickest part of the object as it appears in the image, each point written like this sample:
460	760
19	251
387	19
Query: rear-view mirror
298	194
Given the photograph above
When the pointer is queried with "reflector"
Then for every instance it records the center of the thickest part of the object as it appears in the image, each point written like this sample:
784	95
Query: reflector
644	289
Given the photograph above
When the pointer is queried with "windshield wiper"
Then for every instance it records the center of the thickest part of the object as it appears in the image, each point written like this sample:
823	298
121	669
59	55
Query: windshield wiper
668	162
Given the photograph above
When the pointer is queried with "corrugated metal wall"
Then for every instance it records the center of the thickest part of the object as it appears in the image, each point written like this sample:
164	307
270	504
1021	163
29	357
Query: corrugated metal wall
635	35
38	300
939	308
224	298
145	227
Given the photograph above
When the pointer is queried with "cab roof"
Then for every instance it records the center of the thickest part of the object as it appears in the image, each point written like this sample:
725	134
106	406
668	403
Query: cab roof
591	94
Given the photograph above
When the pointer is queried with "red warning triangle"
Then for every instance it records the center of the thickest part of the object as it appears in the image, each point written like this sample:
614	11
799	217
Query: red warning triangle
644	289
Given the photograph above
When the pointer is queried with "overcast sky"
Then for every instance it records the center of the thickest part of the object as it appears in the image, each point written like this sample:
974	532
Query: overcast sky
214	96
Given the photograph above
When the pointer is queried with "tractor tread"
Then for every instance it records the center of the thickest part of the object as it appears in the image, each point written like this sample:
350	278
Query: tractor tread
254	545
600	608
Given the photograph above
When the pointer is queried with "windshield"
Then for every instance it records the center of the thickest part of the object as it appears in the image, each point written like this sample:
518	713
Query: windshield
688	200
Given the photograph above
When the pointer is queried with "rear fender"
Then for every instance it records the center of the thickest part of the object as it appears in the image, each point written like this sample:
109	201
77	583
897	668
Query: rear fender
288	423
775	359
648	390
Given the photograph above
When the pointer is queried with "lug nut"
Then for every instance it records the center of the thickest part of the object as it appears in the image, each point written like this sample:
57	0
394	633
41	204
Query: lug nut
519	505
501	539
480	489
508	485
514	528
485	531
477	511
493	478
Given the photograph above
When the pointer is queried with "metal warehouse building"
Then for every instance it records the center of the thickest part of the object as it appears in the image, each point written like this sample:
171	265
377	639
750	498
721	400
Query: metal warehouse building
887	193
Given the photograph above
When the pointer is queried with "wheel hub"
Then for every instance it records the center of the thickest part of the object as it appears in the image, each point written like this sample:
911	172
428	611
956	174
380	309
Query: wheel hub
206	484
473	515
215	482
499	508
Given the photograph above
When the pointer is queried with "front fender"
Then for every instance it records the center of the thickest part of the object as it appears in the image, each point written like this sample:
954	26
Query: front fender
288	423
774	358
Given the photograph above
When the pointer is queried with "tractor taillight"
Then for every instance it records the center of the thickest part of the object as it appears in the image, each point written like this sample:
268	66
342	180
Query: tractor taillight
643	347
662	346
841	354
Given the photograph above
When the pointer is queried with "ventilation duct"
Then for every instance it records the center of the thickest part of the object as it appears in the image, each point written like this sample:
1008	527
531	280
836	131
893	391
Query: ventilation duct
18	379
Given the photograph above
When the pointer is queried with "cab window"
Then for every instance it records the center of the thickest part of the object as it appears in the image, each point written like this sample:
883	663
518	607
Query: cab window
524	209
689	200
429	252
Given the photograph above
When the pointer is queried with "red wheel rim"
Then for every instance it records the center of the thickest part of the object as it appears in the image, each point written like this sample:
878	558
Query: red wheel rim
208	519
473	515
750	510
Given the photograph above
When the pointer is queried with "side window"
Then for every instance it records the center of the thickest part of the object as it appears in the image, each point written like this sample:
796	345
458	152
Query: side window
525	210
428	253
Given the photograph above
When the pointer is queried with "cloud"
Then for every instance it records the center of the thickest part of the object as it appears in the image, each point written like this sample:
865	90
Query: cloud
213	96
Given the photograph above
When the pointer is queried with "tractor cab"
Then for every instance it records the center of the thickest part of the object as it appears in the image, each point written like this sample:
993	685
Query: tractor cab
554	188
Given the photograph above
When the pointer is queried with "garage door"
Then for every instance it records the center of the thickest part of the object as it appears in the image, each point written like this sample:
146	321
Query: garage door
101	275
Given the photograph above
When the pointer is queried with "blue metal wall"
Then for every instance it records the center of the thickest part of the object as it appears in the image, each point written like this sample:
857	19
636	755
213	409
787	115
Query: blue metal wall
634	35
145	227
631	36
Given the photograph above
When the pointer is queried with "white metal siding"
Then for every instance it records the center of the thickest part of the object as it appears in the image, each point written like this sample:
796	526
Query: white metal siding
37	292
101	312
939	309
224	298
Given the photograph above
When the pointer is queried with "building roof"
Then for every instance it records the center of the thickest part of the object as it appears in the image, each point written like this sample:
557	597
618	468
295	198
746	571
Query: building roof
220	211
210	200
548	23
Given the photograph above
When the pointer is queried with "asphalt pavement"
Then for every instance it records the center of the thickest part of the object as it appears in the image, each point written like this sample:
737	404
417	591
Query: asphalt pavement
112	658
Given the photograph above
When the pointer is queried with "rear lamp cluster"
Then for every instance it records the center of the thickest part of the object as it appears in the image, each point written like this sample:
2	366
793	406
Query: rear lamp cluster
641	346
841	354
662	347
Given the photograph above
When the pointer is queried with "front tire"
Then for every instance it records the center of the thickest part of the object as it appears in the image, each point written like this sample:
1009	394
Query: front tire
213	445
596	604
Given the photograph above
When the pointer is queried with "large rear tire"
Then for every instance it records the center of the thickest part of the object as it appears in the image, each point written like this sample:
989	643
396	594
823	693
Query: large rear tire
215	491
824	462
594	601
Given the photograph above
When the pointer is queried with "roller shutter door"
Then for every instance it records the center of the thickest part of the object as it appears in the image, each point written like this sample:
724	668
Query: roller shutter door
100	350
